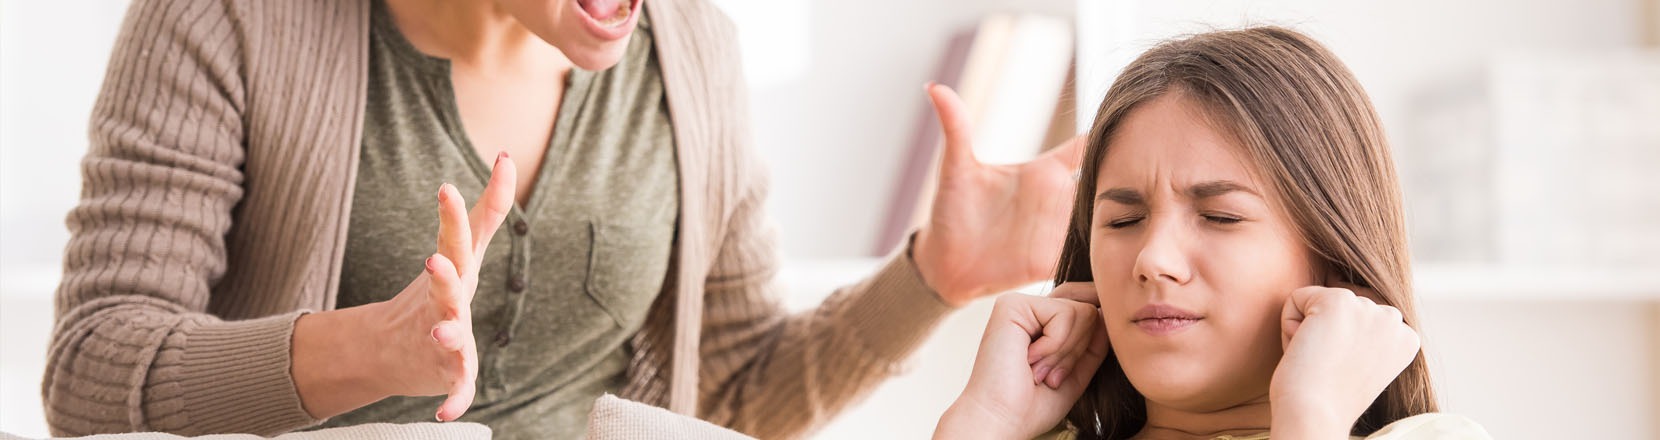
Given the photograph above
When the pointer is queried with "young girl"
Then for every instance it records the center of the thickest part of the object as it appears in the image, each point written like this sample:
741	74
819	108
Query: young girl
1238	223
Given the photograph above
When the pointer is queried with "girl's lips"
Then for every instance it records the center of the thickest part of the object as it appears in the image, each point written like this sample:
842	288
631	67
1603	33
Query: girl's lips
617	24
1164	326
1163	319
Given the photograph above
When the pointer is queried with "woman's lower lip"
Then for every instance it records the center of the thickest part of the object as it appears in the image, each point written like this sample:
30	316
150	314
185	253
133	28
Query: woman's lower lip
1165	326
611	33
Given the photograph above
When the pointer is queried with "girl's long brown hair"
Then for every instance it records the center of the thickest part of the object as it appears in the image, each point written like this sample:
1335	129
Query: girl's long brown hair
1310	131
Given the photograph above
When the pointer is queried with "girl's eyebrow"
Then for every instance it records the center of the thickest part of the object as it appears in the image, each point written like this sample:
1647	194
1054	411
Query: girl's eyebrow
1217	188
1205	190
1124	196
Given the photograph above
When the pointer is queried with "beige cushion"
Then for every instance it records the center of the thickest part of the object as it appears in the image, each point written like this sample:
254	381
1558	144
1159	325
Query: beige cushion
615	418
372	431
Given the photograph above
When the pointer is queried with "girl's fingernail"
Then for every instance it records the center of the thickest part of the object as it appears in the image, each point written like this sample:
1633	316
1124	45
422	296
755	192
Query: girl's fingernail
1055	377
435	334
1041	373
441	191
429	265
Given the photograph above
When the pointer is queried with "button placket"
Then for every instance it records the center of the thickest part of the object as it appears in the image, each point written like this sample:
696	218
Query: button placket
518	280
517	284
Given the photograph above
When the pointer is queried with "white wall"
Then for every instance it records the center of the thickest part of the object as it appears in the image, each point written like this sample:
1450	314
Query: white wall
835	129
52	57
1548	370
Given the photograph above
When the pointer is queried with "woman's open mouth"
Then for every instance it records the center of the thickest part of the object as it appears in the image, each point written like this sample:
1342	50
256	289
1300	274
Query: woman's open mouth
609	19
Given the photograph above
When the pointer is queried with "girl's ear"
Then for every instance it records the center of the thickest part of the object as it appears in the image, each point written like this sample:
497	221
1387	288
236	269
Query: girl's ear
1331	276
1326	272
1341	279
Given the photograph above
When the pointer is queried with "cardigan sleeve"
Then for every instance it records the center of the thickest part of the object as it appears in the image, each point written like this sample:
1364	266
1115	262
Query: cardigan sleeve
134	347
775	375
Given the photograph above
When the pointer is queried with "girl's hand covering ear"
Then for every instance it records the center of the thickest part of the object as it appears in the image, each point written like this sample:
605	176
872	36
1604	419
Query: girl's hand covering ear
1341	350
1035	359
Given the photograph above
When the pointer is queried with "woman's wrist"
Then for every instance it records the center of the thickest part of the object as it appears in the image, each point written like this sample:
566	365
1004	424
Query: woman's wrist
923	253
333	353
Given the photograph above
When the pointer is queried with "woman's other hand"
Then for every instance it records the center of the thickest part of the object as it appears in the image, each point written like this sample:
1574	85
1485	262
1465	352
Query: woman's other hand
420	342
1035	359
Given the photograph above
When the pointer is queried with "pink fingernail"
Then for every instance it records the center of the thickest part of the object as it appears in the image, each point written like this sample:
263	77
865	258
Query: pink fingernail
435	335
1042	373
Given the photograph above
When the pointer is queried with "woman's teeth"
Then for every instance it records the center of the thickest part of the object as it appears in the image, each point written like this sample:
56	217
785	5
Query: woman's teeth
618	18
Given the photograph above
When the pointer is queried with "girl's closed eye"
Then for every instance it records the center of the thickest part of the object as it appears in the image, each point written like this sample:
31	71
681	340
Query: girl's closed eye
1123	222
1223	219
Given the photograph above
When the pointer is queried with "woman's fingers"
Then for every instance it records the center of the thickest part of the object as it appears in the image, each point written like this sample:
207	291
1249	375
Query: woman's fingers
452	335
953	118
445	288
461	388
454	234
497	201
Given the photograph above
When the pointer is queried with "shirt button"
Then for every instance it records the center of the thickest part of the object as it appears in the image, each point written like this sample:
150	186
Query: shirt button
516	284
520	227
502	338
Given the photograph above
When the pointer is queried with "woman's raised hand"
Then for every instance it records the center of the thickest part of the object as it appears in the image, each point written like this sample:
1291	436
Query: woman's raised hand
1035	359
420	342
992	228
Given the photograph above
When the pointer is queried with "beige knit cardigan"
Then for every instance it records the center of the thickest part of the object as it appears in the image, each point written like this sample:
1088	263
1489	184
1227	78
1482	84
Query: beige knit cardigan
217	186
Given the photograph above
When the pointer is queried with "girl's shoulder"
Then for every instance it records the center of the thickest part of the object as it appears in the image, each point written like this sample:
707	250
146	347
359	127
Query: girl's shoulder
1427	426
1432	426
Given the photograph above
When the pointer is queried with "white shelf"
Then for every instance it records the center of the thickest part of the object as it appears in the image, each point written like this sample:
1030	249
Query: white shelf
1520	283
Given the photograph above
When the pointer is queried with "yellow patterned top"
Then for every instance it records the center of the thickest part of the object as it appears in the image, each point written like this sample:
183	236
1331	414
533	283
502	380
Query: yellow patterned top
1428	426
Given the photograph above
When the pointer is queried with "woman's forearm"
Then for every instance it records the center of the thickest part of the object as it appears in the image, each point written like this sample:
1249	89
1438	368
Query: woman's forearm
335	360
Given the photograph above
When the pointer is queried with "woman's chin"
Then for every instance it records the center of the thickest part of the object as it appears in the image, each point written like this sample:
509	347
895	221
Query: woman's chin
598	58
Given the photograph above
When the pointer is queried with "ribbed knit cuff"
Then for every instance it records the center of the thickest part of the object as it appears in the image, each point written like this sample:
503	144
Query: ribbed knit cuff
895	311
235	377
